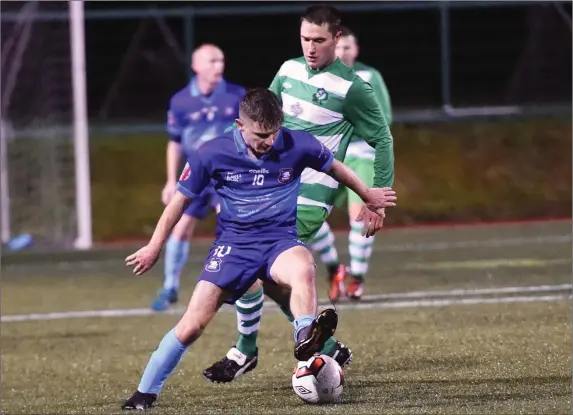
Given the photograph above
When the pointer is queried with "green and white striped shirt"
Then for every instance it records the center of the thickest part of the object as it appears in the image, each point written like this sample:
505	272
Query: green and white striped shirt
358	148
333	103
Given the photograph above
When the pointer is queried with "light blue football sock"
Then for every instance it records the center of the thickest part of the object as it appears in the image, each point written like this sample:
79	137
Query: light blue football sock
300	323
176	253
162	362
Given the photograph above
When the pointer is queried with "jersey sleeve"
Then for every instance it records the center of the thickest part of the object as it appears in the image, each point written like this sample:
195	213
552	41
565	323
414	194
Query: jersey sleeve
276	86
174	125
317	156
194	178
382	95
365	114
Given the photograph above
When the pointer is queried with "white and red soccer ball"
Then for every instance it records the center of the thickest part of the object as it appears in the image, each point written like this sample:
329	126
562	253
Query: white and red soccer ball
319	380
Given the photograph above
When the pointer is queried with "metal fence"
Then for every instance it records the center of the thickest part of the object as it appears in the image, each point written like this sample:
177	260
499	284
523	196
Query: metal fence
439	59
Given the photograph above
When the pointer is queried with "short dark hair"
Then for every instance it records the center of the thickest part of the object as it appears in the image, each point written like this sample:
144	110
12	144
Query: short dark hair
262	106
345	32
320	14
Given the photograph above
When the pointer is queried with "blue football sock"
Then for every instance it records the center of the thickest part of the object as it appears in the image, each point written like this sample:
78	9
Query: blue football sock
300	323
162	362
176	253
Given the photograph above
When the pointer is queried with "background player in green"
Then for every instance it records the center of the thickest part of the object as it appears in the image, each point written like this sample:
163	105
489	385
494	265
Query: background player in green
323	96
360	158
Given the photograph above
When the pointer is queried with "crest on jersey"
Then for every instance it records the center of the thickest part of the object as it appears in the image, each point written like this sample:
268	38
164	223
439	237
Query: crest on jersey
186	173
285	175
296	109
195	115
213	265
320	95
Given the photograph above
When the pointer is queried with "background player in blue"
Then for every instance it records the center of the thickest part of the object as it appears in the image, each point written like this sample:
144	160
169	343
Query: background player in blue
197	113
256	171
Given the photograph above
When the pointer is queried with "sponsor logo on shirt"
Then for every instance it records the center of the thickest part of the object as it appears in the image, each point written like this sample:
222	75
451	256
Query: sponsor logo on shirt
233	177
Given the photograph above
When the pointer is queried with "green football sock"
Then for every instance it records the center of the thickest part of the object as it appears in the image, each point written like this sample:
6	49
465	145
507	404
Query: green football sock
323	244
329	347
360	249
249	310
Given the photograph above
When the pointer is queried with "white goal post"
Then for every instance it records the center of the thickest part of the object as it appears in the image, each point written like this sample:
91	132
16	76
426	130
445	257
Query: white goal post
81	138
45	187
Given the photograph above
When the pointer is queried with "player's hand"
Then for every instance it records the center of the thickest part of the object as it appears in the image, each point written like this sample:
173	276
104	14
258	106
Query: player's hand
168	192
373	221
142	260
380	198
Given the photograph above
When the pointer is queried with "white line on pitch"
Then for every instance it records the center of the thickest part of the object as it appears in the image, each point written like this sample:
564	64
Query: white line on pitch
467	292
457	301
406	247
486	243
399	304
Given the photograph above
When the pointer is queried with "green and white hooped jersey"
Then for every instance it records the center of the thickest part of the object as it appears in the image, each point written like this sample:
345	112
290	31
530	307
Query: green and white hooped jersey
331	103
358	148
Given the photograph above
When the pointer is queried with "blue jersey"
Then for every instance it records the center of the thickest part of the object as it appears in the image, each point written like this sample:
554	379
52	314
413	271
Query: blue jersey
194	119
258	196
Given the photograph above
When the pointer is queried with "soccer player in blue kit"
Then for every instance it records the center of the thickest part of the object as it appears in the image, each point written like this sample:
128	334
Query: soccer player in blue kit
199	112
256	171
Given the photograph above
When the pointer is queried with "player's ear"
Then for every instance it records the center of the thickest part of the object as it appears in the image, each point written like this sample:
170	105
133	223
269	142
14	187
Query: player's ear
337	36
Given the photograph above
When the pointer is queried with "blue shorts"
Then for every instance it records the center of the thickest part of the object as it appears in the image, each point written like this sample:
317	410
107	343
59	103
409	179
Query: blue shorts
236	267
202	205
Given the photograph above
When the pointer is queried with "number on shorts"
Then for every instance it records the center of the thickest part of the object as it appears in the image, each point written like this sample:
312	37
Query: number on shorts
222	251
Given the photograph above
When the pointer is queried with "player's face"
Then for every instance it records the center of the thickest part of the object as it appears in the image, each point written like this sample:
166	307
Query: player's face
318	44
259	139
211	65
347	50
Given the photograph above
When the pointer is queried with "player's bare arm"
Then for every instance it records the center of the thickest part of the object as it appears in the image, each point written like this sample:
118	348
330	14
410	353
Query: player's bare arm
375	199
145	258
173	157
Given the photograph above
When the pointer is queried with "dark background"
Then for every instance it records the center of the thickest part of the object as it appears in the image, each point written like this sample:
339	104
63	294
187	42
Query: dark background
512	54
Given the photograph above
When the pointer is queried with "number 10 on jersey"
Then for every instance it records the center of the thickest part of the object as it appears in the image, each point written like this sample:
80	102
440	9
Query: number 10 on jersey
258	180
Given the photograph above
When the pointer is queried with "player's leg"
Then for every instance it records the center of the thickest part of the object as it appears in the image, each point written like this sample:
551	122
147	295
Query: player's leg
360	247
323	245
176	253
227	274
292	265
177	250
249	307
207	298
243	356
309	220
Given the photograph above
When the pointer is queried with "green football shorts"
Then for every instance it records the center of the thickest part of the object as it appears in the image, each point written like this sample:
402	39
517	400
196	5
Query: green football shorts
364	168
309	219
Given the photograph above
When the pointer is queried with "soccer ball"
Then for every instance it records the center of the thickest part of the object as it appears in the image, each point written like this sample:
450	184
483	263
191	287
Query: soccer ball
318	380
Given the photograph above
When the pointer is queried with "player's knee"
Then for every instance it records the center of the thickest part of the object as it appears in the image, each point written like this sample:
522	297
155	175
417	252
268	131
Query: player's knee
303	271
189	329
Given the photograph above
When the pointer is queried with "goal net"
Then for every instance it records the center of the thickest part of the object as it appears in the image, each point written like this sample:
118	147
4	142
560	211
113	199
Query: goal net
38	172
